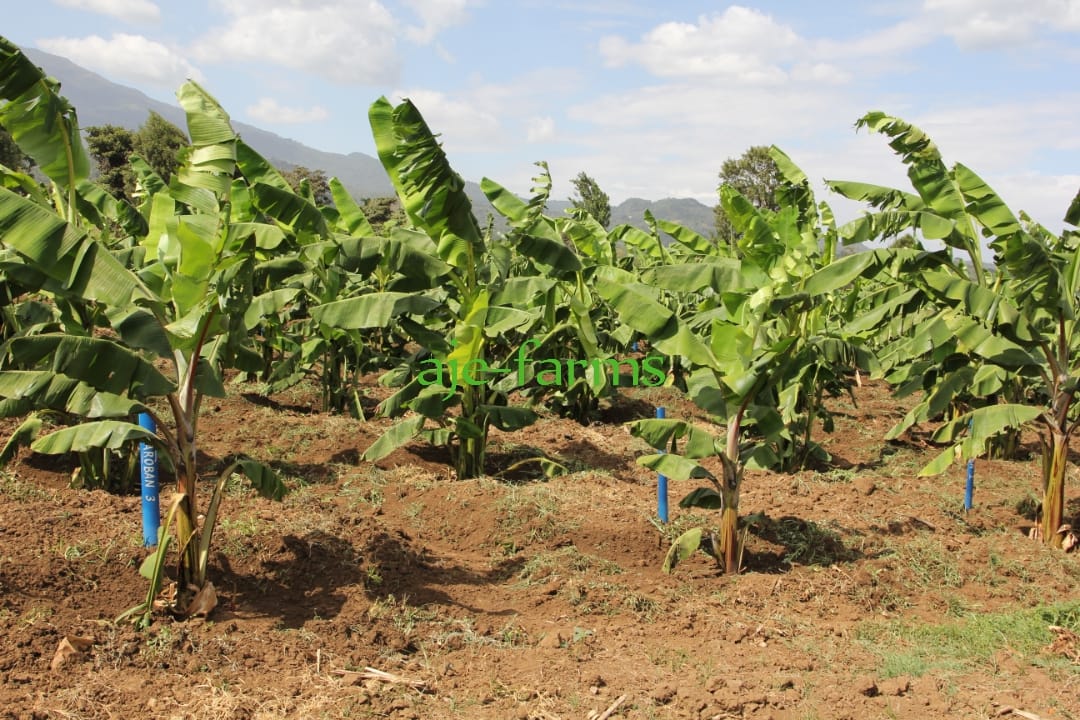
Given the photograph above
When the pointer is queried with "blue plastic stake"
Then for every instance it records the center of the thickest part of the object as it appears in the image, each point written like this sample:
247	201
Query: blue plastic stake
969	488
661	482
148	472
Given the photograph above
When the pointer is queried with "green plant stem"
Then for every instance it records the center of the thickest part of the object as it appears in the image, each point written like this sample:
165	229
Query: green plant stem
1055	459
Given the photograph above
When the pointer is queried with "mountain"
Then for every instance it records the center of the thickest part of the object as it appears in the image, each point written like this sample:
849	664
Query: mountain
102	102
684	211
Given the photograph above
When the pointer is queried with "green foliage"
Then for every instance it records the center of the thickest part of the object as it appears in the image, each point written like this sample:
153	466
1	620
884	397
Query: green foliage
384	214
43	124
11	156
756	176
591	200
111	147
157	143
161	145
183	306
317	187
996	350
462	336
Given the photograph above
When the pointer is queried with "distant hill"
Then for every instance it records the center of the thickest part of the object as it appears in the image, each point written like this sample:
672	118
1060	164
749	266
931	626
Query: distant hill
684	211
102	102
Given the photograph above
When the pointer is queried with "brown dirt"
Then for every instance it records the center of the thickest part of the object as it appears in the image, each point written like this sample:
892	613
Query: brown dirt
534	599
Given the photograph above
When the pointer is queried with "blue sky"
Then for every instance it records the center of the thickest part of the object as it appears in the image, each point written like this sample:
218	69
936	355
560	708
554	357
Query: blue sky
647	97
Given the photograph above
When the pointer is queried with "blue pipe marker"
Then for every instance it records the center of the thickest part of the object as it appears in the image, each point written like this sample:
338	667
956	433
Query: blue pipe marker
661	482
969	488
148	473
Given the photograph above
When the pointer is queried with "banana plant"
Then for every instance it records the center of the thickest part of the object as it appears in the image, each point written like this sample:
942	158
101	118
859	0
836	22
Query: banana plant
938	210
45	126
755	327
459	387
1032	333
734	456
320	255
1013	328
733	380
182	308
572	318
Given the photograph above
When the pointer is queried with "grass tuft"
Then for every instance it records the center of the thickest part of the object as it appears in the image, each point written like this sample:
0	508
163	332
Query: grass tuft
975	642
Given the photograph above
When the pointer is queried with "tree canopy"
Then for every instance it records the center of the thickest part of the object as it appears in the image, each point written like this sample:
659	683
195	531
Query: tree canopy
589	197
756	176
158	142
384	213
318	183
111	147
10	155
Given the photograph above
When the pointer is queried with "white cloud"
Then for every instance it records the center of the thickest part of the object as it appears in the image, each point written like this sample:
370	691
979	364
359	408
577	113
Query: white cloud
1003	136
461	124
820	72
539	129
671	139
1044	197
889	41
126	57
748	46
435	16
271	111
739	44
347	41
493	118
742	77
980	24
136	11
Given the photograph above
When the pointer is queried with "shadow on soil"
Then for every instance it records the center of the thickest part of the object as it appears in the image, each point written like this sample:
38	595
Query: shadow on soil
839	462
1030	508
268	402
303	579
419	575
625	409
312	576
321	472
586	454
521	464
801	542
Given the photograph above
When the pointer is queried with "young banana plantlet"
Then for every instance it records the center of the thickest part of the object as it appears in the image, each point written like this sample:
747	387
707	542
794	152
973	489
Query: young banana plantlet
706	457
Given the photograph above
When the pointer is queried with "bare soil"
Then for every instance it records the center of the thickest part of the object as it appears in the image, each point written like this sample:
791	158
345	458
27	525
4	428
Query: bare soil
531	598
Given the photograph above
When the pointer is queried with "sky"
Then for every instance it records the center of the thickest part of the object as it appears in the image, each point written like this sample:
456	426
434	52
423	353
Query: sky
648	98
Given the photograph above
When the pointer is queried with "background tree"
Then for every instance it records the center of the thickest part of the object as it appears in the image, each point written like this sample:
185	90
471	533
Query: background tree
384	214
159	142
589	197
319	183
755	175
11	156
111	147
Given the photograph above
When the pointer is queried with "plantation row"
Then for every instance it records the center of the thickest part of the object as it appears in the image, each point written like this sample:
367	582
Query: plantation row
111	308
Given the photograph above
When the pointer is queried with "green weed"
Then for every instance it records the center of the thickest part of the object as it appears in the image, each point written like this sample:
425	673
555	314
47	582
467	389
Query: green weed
20	491
929	564
971	643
